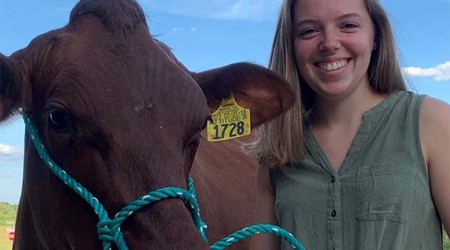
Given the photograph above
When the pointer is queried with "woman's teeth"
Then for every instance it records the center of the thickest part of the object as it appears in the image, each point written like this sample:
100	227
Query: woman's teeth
333	65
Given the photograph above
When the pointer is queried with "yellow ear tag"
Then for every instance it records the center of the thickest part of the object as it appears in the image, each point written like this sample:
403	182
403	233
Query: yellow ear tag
229	121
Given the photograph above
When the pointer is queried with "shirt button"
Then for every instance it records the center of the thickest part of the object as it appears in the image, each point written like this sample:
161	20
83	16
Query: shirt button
333	179
333	213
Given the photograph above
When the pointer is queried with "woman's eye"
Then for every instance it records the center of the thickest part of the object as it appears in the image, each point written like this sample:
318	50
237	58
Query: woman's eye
349	26
60	120
307	32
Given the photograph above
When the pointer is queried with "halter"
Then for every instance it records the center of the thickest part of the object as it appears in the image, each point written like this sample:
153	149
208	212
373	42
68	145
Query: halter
108	229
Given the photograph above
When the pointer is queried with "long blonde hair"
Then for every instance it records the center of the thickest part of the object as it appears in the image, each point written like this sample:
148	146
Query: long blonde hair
281	141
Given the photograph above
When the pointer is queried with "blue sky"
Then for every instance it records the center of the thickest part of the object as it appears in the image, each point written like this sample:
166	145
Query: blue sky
210	33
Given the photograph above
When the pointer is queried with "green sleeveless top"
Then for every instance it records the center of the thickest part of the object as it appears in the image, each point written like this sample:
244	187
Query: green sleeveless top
379	199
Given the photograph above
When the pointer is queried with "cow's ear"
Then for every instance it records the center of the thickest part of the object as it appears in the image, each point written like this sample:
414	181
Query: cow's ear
11	85
254	87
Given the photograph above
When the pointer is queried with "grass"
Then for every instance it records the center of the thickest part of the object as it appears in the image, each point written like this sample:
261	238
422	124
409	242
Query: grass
8	218
5	244
446	242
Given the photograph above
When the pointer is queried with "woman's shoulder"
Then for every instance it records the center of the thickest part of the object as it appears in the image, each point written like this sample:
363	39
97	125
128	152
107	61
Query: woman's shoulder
434	126
405	101
435	112
435	140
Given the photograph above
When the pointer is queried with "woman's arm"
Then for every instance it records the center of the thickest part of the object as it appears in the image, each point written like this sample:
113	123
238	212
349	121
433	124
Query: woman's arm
435	138
265	212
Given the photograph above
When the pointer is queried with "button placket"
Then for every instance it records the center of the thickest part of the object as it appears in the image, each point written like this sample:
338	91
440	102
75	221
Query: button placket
334	219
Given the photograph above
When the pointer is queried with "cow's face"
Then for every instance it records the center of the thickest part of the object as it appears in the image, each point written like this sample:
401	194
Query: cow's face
116	111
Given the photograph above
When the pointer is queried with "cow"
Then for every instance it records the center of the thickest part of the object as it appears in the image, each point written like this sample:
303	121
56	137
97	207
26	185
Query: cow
119	113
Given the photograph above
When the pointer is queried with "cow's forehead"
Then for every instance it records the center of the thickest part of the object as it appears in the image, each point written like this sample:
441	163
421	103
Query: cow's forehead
87	67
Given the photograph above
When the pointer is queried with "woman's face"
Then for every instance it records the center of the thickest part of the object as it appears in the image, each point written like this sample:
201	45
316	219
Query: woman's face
333	42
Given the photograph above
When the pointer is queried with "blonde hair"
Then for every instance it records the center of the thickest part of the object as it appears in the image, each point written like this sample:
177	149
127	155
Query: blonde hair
281	141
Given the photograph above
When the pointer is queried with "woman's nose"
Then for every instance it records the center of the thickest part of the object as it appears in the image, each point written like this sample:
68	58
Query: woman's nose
330	41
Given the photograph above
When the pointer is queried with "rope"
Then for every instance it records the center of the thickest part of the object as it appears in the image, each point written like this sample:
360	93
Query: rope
201	225
108	230
257	229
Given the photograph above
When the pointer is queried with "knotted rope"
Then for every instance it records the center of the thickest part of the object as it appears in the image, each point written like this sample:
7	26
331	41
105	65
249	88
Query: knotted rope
109	229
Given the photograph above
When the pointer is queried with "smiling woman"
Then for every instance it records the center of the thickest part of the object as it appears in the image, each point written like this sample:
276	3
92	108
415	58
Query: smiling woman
343	168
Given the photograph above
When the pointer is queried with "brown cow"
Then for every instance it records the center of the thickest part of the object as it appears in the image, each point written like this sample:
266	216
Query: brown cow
117	112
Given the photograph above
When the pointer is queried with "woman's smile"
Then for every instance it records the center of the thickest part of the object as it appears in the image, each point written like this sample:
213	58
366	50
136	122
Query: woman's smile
332	65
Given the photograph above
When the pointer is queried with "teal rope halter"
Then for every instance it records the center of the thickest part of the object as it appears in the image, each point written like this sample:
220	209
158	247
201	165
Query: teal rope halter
257	229
109	229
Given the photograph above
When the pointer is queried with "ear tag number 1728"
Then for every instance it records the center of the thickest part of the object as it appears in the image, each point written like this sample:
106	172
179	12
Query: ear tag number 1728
229	121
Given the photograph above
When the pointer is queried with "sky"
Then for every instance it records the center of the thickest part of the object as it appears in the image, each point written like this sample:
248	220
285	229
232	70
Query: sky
205	34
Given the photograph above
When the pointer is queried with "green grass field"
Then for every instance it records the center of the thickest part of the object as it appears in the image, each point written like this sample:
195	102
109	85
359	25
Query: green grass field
446	242
8	217
5	244
7	220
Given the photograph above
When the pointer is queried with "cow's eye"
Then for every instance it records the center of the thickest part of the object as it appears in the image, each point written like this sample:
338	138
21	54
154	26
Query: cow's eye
60	120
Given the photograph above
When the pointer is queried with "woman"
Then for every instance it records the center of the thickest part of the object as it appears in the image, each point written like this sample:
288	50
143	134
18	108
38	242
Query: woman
369	166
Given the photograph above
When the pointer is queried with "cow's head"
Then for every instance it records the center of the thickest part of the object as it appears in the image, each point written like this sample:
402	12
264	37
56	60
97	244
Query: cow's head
120	114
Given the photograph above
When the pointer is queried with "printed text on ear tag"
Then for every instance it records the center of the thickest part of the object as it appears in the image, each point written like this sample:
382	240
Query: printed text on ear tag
229	121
